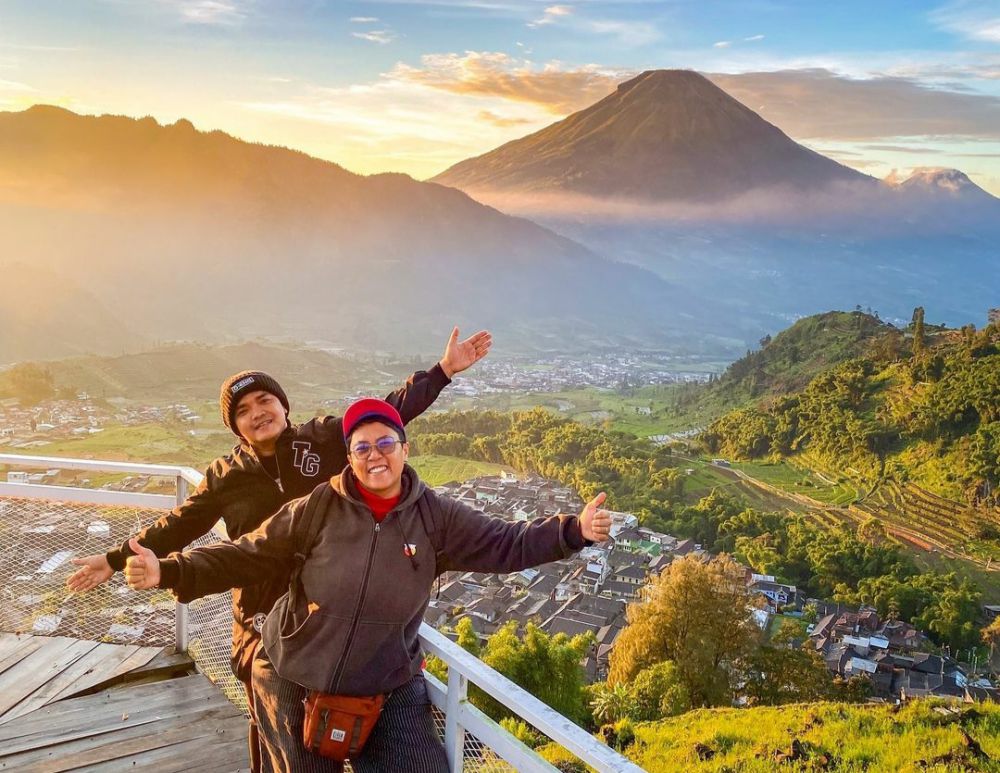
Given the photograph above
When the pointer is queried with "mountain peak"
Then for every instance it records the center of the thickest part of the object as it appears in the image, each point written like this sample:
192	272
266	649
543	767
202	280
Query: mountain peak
662	135
938	177
668	78
942	184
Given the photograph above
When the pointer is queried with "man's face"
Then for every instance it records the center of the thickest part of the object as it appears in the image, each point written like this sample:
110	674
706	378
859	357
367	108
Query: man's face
379	471
260	418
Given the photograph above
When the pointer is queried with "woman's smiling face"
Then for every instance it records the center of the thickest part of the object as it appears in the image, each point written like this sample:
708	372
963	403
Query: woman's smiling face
379	471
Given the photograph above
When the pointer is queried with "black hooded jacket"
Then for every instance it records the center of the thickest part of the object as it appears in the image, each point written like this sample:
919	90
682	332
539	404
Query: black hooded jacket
238	490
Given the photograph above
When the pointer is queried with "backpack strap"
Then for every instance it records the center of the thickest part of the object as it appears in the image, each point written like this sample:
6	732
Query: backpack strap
434	529
306	529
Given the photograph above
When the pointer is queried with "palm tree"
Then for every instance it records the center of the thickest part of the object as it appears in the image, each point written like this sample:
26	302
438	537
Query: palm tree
611	703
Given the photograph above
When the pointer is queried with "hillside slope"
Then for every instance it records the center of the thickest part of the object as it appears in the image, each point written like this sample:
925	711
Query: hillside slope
923	735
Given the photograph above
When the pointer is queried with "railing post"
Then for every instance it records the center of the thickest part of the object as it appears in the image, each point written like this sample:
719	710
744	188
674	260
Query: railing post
181	610
454	733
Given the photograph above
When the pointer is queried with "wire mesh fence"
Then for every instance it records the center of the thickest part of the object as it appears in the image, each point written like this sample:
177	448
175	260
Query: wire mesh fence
39	539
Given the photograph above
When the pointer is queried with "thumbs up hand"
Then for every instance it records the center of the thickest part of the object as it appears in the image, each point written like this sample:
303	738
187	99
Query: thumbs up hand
142	571
594	522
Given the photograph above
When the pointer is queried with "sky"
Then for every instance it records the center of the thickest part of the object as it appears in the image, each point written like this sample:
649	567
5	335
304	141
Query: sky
412	86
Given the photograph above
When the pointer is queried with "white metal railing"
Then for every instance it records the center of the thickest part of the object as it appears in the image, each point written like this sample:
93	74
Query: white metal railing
462	721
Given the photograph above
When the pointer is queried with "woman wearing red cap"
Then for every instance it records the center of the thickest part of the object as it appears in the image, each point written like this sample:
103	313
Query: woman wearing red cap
348	626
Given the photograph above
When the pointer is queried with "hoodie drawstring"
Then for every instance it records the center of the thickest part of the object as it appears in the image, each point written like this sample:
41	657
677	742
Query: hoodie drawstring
406	543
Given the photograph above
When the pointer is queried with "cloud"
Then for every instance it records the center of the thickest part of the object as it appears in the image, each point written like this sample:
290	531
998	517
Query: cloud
978	20
494	74
502	121
15	86
209	11
819	104
364	19
722	44
980	66
551	15
628	33
902	149
806	104
753	38
393	124
382	37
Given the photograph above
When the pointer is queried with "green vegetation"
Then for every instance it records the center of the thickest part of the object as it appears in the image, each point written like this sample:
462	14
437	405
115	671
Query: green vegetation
28	382
909	432
546	666
153	443
923	735
192	371
828	559
435	469
930	416
783	364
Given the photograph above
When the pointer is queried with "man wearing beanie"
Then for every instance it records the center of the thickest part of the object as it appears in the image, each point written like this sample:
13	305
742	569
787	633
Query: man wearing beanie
273	462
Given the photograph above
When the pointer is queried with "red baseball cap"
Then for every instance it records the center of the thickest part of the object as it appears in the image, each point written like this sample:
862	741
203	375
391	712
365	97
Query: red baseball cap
368	408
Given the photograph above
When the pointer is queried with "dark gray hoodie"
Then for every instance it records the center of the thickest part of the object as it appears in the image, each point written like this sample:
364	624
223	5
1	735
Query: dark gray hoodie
365	585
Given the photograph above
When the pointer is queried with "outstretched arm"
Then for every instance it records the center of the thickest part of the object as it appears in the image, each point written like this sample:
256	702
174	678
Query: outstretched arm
475	542
255	557
181	526
422	388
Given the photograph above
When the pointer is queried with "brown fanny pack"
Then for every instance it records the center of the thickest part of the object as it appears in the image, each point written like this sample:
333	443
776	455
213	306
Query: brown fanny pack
338	726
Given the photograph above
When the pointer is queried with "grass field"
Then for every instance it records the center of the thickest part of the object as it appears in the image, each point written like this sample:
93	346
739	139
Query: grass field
435	469
797	480
921	736
601	406
146	443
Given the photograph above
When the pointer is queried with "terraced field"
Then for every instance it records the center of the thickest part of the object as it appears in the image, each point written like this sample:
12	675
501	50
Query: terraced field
931	522
940	534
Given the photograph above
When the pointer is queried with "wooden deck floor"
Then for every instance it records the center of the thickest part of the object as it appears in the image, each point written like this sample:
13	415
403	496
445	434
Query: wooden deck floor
67	704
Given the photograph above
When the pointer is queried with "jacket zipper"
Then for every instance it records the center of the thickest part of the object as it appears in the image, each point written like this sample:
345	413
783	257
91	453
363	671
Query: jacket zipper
338	676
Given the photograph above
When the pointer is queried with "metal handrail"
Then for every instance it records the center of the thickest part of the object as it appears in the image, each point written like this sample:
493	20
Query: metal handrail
461	717
99	465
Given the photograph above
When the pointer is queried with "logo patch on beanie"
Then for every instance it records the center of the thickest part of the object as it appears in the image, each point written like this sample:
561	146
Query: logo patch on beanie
240	384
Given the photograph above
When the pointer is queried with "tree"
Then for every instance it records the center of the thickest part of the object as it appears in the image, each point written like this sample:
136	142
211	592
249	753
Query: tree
777	675
951	617
546	666
991	637
30	383
468	639
697	615
919	341
871	531
658	692
611	703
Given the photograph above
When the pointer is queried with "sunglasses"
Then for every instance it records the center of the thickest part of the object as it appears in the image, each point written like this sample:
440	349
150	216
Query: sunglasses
385	445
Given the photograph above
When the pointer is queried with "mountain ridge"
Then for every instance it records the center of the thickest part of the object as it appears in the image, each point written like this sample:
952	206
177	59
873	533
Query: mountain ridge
199	235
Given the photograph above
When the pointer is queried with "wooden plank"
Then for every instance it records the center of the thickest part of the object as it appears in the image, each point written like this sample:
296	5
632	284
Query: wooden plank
30	672
107	711
40	669
216	735
64	675
24	645
10	642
